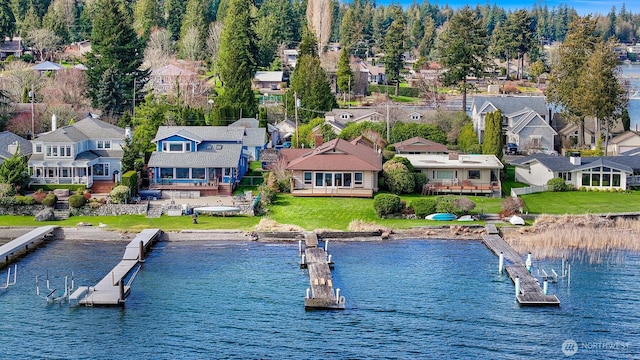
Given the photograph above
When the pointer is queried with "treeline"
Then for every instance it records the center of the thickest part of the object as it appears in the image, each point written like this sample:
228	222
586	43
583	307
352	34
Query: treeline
192	26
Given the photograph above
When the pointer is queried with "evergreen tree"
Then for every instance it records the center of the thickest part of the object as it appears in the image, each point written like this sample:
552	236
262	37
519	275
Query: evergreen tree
15	171
146	16
394	46
30	21
174	12
462	47
116	55
194	19
467	139
7	20
344	74
236	60
310	84
492	142
626	119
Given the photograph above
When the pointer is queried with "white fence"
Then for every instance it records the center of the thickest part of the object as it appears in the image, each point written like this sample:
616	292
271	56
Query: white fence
528	190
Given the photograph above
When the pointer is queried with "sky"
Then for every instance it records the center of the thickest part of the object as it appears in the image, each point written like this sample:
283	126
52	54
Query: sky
583	7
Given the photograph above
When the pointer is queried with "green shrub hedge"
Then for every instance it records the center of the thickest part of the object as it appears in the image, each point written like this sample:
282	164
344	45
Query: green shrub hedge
76	201
386	204
423	207
50	200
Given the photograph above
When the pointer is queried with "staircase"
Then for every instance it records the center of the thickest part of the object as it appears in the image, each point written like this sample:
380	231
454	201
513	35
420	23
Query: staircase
225	189
154	210
102	186
61	209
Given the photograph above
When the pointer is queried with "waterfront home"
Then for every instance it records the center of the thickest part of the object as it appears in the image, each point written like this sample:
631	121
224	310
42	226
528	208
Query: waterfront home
10	143
459	174
203	160
335	168
515	110
11	47
602	172
88	152
627	142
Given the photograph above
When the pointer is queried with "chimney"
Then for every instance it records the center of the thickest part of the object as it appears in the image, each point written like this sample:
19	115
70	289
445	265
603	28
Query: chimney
127	132
318	140
453	156
575	159
13	148
54	122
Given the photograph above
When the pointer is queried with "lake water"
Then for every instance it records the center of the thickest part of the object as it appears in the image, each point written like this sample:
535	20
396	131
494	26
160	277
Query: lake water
405	299
632	74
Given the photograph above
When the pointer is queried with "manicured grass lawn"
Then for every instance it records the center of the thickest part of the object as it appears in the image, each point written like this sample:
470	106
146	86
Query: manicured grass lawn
578	202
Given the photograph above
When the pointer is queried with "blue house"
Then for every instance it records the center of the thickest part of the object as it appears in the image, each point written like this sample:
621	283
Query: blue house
202	160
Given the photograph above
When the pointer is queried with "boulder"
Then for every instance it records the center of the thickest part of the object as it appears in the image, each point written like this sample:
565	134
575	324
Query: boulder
61	192
45	215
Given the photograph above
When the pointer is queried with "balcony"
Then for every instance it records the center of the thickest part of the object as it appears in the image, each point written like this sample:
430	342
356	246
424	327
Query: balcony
465	187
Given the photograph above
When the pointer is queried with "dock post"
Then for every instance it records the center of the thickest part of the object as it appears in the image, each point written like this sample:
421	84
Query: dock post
329	259
302	260
299	246
121	291
528	263
337	295
568	274
308	294
517	281
326	246
545	287
501	262
141	251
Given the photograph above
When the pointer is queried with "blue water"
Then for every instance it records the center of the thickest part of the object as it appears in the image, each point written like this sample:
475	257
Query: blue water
405	299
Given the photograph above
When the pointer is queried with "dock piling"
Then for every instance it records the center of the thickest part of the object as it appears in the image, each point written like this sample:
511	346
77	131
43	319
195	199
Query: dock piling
501	262
545	287
517	282
528	263
141	251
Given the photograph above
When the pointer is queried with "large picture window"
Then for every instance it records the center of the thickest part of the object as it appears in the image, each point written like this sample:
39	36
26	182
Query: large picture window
101	170
307	178
197	173
474	174
182	173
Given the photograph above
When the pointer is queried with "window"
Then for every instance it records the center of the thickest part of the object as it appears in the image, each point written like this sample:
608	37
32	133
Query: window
585	179
101	170
327	179
48	148
227	171
175	147
474	174
595	179
166	173
307	178
182	173
38	149
444	174
54	151
319	177
67	151
358	178
103	144
65	172
347	179
337	179
197	173
616	180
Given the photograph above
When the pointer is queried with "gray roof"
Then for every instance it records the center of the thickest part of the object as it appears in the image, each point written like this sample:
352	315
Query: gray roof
255	137
562	163
47	66
88	128
202	133
228	156
7	138
512	104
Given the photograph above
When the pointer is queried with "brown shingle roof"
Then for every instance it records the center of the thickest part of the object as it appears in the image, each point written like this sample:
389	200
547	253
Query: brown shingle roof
335	155
418	144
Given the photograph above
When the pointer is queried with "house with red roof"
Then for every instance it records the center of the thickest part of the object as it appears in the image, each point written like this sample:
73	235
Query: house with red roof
336	168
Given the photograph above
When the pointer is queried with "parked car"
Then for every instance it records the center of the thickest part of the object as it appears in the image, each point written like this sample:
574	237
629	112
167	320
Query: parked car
543	150
511	149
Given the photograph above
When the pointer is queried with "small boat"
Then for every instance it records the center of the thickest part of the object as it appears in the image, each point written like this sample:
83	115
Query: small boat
441	217
465	218
516	220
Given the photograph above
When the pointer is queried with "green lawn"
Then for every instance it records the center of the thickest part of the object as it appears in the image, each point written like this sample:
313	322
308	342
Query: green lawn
578	202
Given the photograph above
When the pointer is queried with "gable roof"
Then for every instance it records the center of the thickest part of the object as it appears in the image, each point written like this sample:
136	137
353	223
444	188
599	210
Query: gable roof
528	117
563	163
227	155
444	161
204	133
510	104
85	129
419	144
268	76
254	137
334	155
47	66
8	138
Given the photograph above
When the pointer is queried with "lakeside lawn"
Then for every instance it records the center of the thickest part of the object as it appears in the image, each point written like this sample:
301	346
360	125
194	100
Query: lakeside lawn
581	202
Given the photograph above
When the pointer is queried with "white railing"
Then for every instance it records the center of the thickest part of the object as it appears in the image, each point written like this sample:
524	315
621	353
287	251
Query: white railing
528	190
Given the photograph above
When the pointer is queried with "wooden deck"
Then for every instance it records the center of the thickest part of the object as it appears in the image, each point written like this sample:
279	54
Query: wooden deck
22	244
111	290
530	292
322	294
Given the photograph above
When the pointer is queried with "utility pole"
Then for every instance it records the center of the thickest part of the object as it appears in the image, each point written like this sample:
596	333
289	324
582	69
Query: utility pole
134	95
295	99
388	122
33	121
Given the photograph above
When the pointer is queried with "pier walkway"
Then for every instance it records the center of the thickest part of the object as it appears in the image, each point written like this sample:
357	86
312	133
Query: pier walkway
530	293
111	290
20	245
321	295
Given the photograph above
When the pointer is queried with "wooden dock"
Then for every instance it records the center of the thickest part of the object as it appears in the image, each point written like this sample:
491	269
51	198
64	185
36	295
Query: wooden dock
111	290
321	294
530	292
12	250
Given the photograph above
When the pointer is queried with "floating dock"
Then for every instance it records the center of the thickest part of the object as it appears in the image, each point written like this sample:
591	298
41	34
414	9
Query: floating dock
111	290
12	250
321	294
529	293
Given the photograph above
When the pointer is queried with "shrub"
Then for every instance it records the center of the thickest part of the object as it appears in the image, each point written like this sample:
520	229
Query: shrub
385	204
25	200
119	194
423	207
267	194
86	195
50	200
512	206
420	179
5	190
557	184
447	204
465	204
76	201
39	195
